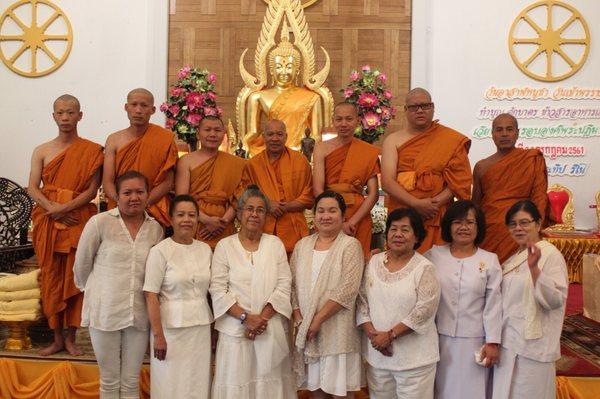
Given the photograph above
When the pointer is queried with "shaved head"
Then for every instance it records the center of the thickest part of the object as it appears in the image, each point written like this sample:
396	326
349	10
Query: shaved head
510	117
142	91
345	104
415	91
275	123
67	98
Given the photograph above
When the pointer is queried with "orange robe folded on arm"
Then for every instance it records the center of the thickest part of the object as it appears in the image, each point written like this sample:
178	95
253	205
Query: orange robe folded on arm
427	164
288	178
213	184
347	170
55	244
520	174
153	155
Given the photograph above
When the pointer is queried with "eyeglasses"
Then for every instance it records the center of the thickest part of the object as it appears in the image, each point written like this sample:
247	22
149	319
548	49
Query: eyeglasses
258	211
415	107
467	223
521	223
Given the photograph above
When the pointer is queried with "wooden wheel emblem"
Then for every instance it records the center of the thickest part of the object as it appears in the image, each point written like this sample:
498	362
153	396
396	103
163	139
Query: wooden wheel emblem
33	37
549	41
305	3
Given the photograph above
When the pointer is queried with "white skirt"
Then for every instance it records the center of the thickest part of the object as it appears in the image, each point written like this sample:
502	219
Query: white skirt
517	377
185	372
335	375
458	376
235	374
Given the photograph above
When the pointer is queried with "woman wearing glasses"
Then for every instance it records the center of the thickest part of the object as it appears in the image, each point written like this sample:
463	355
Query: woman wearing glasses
534	296
469	318
250	289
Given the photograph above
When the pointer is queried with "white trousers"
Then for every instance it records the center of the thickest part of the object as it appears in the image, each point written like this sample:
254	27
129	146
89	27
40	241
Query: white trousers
516	377
415	383
119	354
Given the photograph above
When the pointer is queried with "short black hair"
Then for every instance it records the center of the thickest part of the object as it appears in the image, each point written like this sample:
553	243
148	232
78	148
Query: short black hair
459	210
211	118
524	205
182	198
331	194
129	175
415	220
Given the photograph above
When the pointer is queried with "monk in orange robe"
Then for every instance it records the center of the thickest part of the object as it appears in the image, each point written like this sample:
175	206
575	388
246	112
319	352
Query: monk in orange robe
211	177
346	165
285	177
146	148
69	167
425	166
510	175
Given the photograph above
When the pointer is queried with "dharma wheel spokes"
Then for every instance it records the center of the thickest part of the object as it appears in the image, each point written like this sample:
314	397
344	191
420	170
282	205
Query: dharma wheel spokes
549	41
34	37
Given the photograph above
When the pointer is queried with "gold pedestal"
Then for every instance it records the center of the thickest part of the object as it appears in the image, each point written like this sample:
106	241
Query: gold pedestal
573	247
18	339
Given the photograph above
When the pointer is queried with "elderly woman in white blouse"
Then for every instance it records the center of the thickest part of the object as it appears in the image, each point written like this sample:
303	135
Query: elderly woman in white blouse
534	297
327	268
469	318
250	290
396	310
109	269
176	289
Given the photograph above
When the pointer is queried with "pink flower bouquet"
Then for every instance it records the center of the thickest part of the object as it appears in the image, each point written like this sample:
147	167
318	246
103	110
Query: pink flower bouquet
367	89
190	99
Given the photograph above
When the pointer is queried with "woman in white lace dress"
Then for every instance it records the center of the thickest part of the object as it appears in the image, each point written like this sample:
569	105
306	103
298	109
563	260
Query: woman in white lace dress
396	309
327	268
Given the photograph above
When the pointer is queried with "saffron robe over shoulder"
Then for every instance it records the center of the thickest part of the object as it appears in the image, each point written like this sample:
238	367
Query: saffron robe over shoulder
288	178
55	244
427	164
153	155
520	174
347	170
213	184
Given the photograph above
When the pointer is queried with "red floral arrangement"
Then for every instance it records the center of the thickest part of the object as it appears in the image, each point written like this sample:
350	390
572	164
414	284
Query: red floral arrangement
190	99
368	91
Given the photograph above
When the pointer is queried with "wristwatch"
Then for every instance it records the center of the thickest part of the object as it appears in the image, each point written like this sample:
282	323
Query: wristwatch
243	317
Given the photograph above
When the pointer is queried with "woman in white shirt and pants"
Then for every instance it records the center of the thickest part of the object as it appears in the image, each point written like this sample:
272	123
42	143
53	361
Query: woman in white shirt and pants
396	308
176	289
109	269
469	318
534	296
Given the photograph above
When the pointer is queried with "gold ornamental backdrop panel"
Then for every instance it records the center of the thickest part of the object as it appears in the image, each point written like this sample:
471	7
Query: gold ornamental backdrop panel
213	33
35	37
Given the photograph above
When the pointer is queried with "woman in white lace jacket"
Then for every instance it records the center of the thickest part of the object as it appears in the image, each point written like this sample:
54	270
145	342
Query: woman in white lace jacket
396	309
327	269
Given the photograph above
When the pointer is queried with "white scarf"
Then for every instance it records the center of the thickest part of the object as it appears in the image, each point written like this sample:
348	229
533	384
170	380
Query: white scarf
533	323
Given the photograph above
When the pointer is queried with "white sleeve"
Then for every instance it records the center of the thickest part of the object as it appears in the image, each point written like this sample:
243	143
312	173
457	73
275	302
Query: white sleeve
552	285
492	311
428	298
222	299
88	245
280	298
156	267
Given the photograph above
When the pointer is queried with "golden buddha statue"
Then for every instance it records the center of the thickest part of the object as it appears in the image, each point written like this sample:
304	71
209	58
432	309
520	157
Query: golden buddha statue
299	107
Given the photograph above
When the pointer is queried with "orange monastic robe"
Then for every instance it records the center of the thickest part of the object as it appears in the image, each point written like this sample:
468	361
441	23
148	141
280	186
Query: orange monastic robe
213	184
288	178
427	164
153	155
347	170
520	174
64	178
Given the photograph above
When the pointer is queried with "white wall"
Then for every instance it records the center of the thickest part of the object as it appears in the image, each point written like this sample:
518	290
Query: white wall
117	46
460	49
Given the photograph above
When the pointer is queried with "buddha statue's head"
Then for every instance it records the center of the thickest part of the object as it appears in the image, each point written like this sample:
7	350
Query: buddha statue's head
284	61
